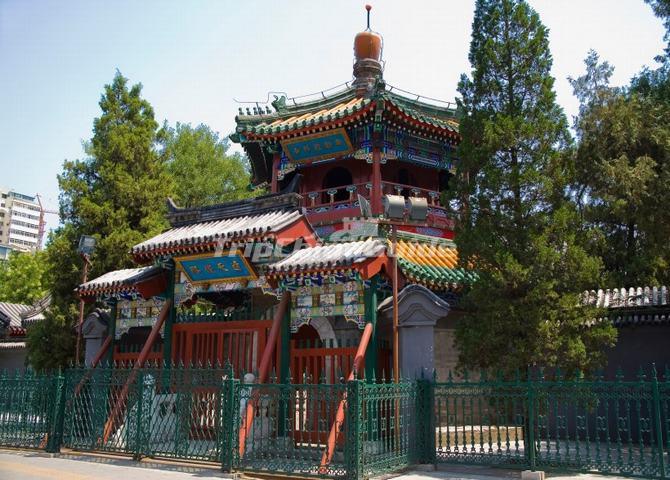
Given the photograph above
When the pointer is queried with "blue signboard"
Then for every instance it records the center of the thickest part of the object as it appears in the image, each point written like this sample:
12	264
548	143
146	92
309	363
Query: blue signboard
333	143
227	267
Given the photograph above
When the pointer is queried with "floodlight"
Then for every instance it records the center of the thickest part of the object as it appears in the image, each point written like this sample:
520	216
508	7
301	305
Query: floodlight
418	208
86	245
394	206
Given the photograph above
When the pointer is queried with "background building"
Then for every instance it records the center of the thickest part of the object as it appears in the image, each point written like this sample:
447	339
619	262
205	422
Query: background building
20	219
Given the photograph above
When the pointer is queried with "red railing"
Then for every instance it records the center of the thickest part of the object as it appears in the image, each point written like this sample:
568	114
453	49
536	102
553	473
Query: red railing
330	197
331	204
393	188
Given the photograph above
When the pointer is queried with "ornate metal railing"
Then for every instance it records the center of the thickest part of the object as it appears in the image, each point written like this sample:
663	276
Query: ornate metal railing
27	404
577	424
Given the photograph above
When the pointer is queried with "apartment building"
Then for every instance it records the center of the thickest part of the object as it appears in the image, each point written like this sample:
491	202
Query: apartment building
19	220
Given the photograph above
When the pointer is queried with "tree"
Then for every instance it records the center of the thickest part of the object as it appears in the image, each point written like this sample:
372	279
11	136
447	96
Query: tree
117	194
51	342
661	9
623	168
203	172
22	278
517	228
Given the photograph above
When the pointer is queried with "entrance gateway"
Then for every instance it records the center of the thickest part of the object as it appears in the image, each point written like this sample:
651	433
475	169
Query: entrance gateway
290	286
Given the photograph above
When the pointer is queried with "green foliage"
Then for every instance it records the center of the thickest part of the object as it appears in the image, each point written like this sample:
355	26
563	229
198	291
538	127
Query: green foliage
622	167
661	9
51	342
22	278
118	193
203	172
517	227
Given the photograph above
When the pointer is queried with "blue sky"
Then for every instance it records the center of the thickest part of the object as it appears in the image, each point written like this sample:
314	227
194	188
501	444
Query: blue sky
194	58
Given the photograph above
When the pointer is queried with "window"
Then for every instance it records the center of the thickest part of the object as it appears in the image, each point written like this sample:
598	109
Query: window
337	178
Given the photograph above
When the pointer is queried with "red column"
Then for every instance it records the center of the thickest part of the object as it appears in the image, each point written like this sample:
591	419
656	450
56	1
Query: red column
376	200
274	186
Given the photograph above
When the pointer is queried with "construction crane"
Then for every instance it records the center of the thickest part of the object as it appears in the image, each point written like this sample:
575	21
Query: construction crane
43	223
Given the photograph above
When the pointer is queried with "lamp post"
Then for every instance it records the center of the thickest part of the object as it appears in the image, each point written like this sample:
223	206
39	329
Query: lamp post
85	249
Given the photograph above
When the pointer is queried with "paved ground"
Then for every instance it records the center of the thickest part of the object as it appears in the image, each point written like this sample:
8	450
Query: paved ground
20	465
27	465
454	472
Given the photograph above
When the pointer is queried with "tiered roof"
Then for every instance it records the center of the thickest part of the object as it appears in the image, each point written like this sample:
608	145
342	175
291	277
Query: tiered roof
336	111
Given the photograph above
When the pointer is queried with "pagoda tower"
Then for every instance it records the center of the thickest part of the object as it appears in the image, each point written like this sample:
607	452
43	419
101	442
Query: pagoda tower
366	141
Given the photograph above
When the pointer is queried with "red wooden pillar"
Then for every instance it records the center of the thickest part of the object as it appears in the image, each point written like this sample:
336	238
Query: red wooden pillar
274	186
376	200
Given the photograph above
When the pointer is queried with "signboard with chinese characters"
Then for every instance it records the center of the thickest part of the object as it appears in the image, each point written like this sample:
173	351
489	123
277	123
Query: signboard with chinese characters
330	144
207	269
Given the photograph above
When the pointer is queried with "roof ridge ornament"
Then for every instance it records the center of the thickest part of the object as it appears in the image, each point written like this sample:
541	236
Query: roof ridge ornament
368	46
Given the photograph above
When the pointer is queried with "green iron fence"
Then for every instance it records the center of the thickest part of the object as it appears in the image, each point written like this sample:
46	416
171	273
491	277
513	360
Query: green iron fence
157	412
28	404
580	425
353	429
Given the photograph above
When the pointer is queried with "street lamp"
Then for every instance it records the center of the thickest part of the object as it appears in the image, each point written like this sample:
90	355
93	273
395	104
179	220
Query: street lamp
85	249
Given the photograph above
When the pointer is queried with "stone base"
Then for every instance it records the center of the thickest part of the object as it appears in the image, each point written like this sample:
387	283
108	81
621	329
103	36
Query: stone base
530	475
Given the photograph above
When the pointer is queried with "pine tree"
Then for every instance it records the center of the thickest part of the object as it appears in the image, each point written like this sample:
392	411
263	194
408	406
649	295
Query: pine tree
518	229
622	164
117	194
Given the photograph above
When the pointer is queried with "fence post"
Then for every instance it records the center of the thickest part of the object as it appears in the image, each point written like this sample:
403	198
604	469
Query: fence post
352	449
530	448
57	418
137	455
229	423
425	442
658	424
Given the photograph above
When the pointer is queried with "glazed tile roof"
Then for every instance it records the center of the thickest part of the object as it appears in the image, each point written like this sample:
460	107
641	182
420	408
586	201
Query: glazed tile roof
118	280
628	297
16	316
228	229
331	256
275	123
632	306
430	115
432	264
344	105
11	313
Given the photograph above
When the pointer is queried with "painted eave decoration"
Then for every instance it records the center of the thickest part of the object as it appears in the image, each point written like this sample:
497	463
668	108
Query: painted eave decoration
143	281
227	267
310	148
281	227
